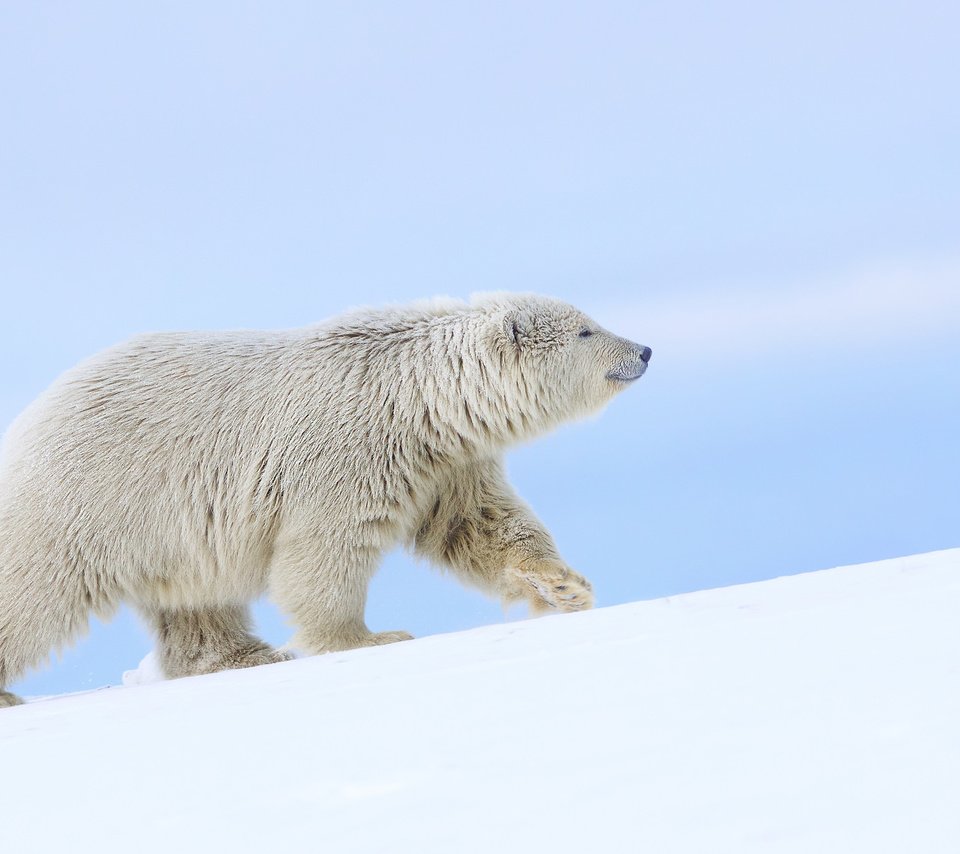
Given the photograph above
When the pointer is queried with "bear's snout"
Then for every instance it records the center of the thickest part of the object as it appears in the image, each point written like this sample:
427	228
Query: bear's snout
634	364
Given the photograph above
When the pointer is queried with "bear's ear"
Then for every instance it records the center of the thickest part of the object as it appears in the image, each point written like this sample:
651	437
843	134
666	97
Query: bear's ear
517	327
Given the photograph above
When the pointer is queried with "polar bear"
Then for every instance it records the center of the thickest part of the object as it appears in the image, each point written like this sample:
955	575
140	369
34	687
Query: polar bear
187	474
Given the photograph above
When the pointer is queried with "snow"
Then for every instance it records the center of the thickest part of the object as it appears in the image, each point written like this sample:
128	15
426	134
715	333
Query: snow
818	712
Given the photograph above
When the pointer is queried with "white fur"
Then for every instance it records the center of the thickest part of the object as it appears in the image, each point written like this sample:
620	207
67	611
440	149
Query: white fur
189	473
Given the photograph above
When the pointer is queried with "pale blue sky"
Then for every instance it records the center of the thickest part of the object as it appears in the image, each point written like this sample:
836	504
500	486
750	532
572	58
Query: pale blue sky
766	194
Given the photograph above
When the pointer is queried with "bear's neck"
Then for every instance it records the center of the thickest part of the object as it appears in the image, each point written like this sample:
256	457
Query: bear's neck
453	396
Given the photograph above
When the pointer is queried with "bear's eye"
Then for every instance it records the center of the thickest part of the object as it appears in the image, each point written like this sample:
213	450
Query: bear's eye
585	333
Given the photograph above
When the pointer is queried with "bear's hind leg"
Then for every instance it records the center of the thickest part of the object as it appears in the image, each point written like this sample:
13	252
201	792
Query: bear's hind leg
8	699
43	607
204	640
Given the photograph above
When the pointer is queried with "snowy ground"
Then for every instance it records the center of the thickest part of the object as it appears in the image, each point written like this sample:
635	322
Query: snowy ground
815	713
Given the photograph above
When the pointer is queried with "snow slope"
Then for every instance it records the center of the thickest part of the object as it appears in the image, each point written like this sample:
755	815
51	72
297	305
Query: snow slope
814	713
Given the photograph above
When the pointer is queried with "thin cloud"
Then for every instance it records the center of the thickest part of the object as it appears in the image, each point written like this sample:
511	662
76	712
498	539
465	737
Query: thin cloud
882	307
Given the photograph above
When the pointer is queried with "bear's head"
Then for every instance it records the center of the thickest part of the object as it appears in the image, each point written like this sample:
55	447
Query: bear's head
564	364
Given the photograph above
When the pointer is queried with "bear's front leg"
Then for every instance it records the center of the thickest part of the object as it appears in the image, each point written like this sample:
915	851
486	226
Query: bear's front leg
325	591
316	643
485	533
551	585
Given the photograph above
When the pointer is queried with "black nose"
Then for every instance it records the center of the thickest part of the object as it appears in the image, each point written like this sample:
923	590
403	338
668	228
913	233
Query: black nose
645	354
